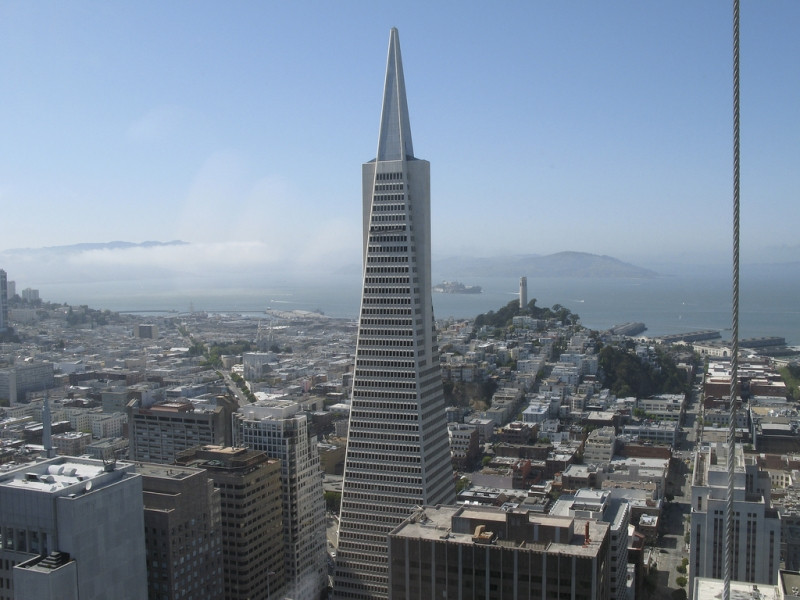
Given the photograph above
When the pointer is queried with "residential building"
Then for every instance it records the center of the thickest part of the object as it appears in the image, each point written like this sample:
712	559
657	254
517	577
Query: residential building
279	429
72	528
398	452
183	533
464	447
30	295
249	484
599	447
472	551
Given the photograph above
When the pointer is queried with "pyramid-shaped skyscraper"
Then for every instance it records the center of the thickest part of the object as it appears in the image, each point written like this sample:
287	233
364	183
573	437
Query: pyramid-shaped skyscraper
398	453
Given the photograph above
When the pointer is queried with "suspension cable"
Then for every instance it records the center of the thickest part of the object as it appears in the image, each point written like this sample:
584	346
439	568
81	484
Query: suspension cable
726	584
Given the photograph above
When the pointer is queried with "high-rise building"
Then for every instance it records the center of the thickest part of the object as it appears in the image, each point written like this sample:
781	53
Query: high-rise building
398	454
498	552
756	525
183	532
279	429
3	300
523	292
72	529
159	432
250	496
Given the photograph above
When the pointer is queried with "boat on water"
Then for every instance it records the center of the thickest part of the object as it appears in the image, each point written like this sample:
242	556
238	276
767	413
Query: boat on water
456	287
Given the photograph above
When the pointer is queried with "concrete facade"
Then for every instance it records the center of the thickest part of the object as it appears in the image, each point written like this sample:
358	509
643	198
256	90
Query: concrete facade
90	512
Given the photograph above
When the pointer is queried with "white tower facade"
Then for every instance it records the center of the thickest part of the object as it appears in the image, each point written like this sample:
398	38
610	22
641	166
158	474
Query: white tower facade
398	454
756	526
523	292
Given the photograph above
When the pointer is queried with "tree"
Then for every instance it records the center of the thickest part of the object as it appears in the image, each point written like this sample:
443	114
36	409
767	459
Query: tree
333	501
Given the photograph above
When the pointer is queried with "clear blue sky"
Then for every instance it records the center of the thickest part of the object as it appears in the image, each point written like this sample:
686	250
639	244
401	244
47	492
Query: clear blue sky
602	127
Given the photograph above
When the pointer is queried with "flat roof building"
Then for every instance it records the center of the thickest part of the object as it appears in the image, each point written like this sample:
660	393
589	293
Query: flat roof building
86	512
493	552
183	532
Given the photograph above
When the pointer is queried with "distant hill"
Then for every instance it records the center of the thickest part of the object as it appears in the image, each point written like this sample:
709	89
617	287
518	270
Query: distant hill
72	248
561	264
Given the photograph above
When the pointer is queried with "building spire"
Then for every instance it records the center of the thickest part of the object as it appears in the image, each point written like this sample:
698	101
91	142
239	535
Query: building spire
394	139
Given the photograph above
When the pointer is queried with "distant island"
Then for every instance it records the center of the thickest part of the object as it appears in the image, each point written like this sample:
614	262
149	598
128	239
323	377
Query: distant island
456	287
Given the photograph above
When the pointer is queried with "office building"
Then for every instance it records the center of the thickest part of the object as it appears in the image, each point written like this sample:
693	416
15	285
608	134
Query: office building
398	453
183	533
249	484
145	331
22	378
159	432
72	529
498	552
616	512
3	301
279	429
756	525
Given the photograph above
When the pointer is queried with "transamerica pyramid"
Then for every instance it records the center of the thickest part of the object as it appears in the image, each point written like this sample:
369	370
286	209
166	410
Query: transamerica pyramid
398	453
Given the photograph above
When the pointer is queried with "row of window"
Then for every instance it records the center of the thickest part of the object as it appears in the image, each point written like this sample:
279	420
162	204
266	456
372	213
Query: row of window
368	456
382	197
389	208
389	322
384	342
388	187
380	415
386	364
384	448
390	437
386	280
388	259
384	375
386	270
386	311
369	426
384	395
395	176
394	385
385	228
387	249
385	300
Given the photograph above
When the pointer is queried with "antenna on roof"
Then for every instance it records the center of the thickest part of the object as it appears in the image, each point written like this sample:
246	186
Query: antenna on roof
47	428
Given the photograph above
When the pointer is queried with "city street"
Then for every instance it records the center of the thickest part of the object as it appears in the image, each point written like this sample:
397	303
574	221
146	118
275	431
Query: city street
671	547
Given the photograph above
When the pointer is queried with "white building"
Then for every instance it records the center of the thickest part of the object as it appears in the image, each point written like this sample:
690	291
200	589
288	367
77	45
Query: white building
757	529
599	447
279	428
398	453
72	529
600	506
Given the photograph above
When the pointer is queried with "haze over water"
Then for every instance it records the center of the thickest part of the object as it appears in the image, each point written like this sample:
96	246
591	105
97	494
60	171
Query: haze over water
667	304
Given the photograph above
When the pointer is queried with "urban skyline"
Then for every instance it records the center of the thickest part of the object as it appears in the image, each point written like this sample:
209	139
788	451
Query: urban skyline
624	107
